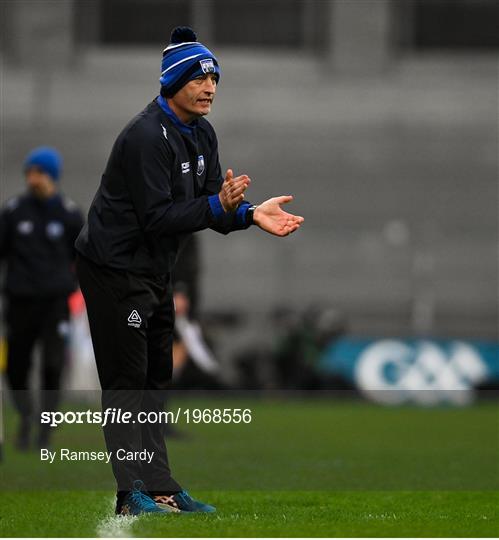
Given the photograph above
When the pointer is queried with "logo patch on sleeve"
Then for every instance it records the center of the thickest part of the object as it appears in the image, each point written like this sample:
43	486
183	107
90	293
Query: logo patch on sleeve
186	167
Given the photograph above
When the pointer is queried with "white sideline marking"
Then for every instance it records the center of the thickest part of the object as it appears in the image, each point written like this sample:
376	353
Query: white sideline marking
115	526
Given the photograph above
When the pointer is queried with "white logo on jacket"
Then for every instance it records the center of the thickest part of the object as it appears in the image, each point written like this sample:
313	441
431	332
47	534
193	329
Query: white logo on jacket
134	319
165	135
54	229
186	167
25	227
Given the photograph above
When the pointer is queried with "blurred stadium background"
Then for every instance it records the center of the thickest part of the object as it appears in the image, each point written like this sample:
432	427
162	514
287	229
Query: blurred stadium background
379	116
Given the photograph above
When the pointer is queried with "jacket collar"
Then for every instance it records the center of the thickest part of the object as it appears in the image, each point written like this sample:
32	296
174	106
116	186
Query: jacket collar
188	129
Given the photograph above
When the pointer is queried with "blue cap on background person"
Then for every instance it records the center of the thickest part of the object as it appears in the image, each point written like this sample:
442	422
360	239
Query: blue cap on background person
47	159
183	60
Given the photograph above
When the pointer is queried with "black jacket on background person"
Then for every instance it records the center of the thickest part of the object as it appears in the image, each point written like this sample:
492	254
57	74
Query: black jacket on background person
37	243
160	183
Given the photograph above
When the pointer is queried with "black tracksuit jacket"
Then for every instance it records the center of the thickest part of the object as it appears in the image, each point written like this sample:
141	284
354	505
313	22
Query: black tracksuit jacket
37	243
160	183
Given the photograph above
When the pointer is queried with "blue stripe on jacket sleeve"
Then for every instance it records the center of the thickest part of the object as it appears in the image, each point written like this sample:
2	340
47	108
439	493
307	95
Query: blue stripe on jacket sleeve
216	206
240	219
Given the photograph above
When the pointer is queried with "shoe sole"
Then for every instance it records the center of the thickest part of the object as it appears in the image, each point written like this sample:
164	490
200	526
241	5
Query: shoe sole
177	511
168	508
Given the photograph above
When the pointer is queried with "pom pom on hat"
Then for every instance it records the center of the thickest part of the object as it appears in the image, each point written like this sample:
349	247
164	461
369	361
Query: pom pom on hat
183	34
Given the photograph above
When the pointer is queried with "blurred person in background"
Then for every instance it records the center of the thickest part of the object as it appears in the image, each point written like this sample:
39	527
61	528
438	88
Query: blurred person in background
163	181
299	339
302	340
37	234
194	365
185	277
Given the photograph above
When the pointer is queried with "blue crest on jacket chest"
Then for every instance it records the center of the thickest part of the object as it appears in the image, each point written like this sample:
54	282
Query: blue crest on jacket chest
200	170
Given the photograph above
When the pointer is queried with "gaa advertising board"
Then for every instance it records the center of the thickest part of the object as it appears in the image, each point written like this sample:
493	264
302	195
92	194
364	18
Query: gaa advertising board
418	371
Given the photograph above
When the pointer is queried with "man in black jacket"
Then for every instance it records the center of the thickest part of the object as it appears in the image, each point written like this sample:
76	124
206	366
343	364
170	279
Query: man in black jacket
37	234
162	182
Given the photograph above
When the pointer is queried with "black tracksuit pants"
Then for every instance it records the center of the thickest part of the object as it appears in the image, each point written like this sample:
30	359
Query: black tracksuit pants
131	321
32	320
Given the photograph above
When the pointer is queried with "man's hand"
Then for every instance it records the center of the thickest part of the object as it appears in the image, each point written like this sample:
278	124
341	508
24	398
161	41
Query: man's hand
232	193
270	217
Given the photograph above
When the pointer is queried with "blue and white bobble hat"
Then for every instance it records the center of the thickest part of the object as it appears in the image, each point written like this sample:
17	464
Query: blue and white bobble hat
185	59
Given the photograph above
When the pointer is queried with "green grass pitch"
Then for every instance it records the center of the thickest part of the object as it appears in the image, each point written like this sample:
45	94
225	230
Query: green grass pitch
312	467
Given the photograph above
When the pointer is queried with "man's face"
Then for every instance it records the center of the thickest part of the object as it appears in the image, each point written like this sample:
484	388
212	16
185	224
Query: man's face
195	98
40	183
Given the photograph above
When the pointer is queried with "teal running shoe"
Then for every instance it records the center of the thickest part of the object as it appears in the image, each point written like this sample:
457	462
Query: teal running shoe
182	502
137	502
